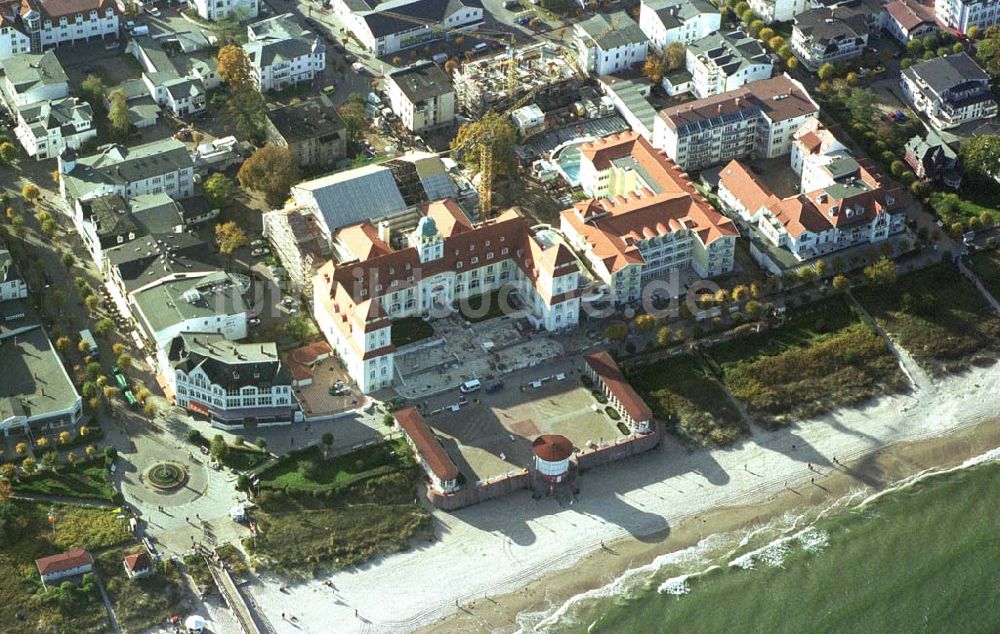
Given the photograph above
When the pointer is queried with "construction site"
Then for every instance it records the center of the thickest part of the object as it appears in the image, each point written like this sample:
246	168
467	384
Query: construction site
544	70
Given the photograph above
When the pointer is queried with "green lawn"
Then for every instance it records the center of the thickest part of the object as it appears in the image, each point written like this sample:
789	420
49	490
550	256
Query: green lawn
682	391
306	470
407	330
938	316
147	601
84	480
986	265
27	535
822	358
955	210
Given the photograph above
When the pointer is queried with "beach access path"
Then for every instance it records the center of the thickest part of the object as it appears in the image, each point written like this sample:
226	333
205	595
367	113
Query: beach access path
499	546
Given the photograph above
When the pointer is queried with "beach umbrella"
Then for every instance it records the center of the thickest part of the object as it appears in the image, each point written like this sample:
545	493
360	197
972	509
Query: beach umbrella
194	623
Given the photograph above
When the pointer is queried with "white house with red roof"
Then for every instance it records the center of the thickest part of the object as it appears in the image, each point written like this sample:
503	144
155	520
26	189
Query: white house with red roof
137	565
52	23
843	203
430	453
634	411
907	20
645	218
68	564
444	260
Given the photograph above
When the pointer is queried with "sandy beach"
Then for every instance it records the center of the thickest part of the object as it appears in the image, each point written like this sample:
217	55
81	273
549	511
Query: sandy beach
499	559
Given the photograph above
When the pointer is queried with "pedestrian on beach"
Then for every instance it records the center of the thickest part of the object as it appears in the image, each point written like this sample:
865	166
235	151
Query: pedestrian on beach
812	480
355	612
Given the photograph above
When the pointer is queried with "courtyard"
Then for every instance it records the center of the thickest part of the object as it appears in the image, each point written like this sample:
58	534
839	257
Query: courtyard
489	435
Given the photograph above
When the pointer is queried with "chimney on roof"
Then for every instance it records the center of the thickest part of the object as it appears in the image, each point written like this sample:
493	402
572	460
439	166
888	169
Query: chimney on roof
719	108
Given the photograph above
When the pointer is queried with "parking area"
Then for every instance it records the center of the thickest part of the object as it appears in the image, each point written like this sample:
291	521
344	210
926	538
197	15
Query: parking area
329	390
460	351
491	434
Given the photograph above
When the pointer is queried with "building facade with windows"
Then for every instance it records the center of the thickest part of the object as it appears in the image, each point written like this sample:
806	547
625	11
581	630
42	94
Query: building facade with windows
726	61
830	35
33	77
45	128
757	119
949	90
609	44
771	11
963	14
445	260
421	96
667	21
645	219
52	23
233	384
387	27
225	9
283	54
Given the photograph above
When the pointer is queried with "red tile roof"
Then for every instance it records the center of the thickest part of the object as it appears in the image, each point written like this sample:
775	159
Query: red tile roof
63	561
910	15
428	446
552	447
612	376
137	562
613	226
54	9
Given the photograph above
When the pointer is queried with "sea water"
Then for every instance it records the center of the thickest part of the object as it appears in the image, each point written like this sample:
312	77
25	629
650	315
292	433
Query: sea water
922	556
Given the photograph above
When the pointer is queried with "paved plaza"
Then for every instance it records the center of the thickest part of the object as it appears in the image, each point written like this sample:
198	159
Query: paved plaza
460	351
491	433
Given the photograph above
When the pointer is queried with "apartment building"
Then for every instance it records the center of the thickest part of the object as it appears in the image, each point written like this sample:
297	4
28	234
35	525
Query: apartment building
45	128
907	20
182	94
725	61
443	260
771	11
843	203
283	54
609	44
12	285
47	24
311	130
233	384
645	218
33	77
830	35
13	37
667	21
756	120
963	14
387	27
421	96
215	10
152	168
949	90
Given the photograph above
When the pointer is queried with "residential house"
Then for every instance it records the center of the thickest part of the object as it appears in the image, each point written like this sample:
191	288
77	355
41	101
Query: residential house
233	384
143	111
963	14
49	24
45	128
161	166
283	54
907	20
771	11
644	220
12	285
756	120
216	10
843	204
609	44
387	27
725	61
949	90
311	130
137	565
667	21
421	96
183	95
33	77
826	35
13	37
68	564
444	260
930	158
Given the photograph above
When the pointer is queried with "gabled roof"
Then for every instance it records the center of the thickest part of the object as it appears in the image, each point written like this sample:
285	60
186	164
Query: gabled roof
137	562
353	196
228	364
612	31
909	14
608	371
382	24
428	447
55	9
63	561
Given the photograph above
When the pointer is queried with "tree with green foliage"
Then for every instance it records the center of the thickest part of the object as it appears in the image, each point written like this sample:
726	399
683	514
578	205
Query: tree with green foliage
675	56
826	71
30	193
218	448
271	170
861	103
882	273
974	33
327	440
354	113
118	115
8	153
230	237
219	190
49	461
765	34
980	156
93	91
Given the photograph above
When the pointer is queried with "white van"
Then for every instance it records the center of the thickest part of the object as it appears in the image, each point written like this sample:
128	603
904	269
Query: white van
479	48
440	58
471	386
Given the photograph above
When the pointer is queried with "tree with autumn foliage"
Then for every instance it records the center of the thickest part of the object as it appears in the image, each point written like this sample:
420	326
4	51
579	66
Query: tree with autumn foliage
271	170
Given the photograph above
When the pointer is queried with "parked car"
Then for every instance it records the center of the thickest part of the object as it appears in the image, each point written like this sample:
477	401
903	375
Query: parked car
257	243
152	10
260	251
254	321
